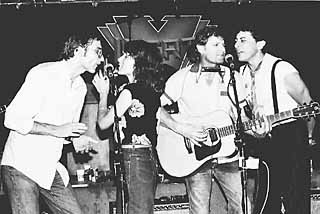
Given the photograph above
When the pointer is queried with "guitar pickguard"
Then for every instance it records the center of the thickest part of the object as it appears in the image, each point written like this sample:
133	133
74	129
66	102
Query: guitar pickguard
204	151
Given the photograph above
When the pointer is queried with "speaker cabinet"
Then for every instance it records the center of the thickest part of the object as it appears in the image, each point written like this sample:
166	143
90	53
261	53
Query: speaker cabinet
315	203
172	208
165	208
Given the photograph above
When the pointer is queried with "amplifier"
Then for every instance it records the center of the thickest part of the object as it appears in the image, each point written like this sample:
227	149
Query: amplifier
172	208
315	203
162	208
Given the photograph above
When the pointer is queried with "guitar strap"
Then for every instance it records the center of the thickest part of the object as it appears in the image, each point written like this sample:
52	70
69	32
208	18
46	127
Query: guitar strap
173	107
169	98
247	108
274	88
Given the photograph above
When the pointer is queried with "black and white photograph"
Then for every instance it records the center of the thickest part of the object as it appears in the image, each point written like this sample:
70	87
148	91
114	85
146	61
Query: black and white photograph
159	106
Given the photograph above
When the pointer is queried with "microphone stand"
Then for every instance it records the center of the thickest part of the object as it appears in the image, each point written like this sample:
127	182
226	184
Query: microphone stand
118	165
239	132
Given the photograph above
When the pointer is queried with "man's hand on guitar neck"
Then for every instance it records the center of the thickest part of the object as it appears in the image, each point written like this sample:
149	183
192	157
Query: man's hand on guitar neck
261	125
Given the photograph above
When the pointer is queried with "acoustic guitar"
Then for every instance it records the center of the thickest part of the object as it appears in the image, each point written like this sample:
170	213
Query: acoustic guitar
179	157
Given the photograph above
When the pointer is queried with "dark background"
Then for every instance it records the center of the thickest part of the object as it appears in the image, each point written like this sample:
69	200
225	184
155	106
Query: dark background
30	35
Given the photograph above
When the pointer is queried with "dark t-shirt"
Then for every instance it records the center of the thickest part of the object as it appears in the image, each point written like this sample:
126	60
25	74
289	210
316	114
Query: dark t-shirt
141	115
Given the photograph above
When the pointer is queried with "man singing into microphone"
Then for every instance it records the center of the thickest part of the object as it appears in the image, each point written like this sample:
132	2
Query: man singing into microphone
200	93
274	85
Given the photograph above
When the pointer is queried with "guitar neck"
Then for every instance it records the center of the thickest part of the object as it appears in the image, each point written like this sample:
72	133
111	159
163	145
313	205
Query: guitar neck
272	118
247	125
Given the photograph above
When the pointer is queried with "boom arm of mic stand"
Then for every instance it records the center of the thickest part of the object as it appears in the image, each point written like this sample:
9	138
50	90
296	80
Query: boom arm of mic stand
239	132
121	186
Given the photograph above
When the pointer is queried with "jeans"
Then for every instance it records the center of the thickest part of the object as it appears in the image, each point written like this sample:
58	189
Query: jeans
140	174
199	187
24	194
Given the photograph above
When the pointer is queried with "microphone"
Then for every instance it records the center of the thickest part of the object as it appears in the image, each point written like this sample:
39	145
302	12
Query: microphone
110	70
229	60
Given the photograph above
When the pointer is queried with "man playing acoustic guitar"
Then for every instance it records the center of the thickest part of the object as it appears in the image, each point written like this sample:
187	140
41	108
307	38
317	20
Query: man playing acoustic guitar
203	96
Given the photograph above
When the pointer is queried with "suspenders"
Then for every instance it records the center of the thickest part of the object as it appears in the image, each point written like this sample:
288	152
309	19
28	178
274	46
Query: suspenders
274	88
248	110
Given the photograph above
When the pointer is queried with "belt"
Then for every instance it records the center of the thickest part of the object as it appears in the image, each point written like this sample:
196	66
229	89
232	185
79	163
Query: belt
136	146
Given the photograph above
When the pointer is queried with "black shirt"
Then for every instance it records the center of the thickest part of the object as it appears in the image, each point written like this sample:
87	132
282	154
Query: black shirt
141	115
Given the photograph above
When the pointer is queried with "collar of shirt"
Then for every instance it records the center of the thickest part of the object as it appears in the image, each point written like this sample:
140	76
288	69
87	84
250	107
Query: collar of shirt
253	71
195	68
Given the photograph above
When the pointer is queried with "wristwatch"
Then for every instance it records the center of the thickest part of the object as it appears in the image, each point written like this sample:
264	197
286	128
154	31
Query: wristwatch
311	140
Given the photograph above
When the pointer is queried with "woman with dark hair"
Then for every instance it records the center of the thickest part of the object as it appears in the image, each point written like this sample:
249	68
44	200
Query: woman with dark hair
138	102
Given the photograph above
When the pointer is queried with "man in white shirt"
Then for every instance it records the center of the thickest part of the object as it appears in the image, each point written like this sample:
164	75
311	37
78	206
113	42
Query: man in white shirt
285	153
43	114
202	95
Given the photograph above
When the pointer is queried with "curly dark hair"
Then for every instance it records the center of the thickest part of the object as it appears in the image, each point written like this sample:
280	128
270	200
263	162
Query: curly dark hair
253	28
73	42
257	30
149	70
201	38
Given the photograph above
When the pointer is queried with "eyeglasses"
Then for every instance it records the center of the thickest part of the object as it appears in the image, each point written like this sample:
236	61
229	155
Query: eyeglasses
97	50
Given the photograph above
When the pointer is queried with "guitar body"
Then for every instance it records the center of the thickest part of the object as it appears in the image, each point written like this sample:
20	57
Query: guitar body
173	154
179	160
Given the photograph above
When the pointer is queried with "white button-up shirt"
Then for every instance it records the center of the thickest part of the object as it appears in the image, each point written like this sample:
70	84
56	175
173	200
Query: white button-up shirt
46	96
196	96
263	85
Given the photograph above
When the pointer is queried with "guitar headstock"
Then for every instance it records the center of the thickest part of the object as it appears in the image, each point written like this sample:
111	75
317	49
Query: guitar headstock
3	108
307	110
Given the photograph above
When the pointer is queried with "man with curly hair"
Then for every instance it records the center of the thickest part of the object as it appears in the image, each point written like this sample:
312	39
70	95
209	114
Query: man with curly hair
202	91
43	114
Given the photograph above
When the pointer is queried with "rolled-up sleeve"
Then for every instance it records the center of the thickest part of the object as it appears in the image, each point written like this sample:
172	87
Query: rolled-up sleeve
24	107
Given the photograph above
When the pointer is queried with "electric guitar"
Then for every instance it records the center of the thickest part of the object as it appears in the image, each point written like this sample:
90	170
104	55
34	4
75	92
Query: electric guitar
179	157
